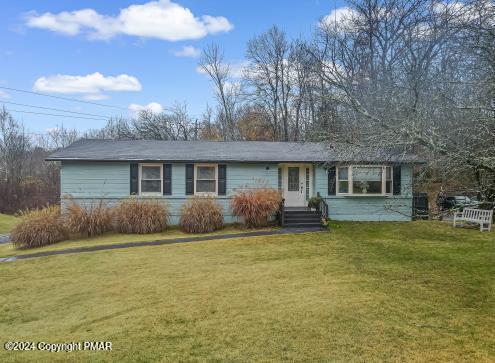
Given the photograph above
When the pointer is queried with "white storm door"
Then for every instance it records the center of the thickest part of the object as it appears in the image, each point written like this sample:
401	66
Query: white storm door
294	186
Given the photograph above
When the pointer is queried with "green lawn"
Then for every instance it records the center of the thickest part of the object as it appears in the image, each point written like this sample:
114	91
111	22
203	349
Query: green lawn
7	222
419	291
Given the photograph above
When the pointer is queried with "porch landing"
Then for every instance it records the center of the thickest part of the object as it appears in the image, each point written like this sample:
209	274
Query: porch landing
297	209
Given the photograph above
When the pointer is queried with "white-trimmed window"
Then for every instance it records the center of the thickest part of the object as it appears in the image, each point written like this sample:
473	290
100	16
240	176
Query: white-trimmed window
364	180
343	180
205	179
367	180
150	179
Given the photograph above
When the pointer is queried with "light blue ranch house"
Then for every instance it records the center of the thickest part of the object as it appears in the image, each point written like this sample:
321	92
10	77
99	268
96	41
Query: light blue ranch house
356	184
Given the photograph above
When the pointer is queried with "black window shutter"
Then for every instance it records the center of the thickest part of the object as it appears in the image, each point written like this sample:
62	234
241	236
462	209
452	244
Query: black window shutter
189	179
397	179
167	179
222	179
134	179
331	180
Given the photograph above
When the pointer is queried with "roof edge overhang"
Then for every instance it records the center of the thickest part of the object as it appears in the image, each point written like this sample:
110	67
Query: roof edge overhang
199	160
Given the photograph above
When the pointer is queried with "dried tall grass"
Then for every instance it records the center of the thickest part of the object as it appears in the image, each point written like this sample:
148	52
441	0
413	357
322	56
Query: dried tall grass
256	205
201	215
91	221
141	216
39	227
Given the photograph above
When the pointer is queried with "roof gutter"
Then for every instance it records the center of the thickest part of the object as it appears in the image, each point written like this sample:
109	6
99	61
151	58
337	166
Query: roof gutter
236	161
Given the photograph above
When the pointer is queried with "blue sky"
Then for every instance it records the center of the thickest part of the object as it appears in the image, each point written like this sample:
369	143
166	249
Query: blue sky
129	49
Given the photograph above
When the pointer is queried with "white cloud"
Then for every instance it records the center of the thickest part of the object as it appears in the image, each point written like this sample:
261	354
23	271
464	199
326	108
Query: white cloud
92	85
340	19
236	69
200	70
462	12
447	7
232	87
162	19
154	107
338	15
187	51
4	94
52	129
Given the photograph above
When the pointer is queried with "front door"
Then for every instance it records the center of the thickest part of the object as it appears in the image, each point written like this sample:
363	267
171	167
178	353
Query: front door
294	186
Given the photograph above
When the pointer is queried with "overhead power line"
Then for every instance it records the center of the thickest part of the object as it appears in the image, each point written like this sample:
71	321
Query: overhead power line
63	98
51	114
55	109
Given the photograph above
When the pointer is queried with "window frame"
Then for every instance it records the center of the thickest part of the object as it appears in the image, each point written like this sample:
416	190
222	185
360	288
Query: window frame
298	167
196	178
391	180
306	183
350	180
140	179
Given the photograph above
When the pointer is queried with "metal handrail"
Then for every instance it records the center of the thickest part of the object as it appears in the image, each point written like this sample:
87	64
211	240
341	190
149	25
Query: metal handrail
281	213
323	207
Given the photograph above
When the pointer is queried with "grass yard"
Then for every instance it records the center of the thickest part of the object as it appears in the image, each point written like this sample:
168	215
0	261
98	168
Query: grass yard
419	291
114	238
7	222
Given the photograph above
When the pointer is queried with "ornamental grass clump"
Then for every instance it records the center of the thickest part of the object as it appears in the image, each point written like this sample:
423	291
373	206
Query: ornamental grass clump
256	205
141	216
91	221
39	227
201	215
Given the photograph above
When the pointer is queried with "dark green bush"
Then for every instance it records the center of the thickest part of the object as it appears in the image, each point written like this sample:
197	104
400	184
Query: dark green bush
314	202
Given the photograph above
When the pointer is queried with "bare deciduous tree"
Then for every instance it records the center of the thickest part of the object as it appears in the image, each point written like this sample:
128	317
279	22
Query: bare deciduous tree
269	77
213	64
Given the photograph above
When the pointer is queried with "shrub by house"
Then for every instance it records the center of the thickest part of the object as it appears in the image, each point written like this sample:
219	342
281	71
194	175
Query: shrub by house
201	215
141	216
256	205
39	228
91	221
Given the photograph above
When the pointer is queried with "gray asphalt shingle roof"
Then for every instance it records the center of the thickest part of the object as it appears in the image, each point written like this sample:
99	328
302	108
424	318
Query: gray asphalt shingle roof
222	151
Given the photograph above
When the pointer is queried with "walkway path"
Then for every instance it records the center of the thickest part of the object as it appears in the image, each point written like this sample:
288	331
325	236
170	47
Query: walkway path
159	242
4	238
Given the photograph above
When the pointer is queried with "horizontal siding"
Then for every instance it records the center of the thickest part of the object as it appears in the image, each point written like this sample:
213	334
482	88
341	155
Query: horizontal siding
321	180
178	180
95	179
370	209
251	175
107	179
